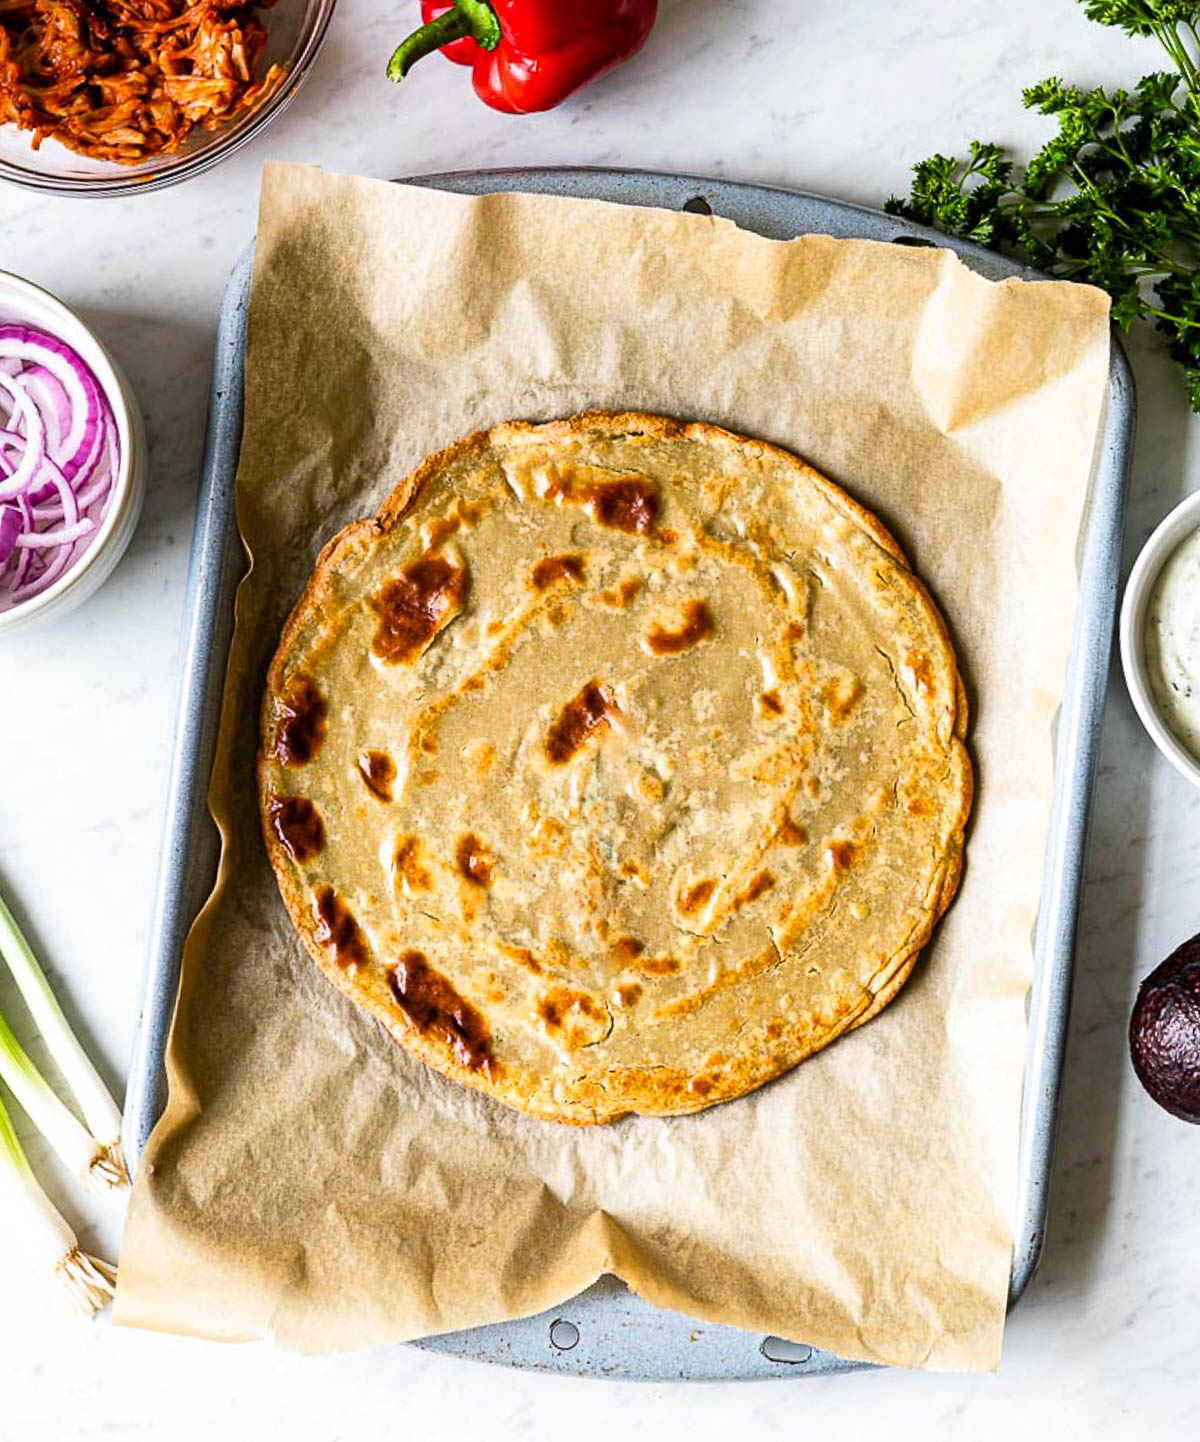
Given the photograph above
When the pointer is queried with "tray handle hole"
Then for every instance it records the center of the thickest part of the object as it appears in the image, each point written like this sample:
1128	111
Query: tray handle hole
917	240
778	1349
697	206
563	1335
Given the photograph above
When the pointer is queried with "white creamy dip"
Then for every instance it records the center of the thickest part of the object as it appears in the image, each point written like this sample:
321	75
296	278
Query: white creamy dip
1173	642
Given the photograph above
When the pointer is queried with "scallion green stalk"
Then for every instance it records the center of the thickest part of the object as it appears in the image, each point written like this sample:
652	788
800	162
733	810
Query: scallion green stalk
68	1136
88	1281
98	1108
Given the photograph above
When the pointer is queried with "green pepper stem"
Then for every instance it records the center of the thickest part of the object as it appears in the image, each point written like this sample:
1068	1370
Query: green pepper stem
470	18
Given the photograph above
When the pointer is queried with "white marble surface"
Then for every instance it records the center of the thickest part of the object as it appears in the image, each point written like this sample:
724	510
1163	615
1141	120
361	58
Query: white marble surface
831	97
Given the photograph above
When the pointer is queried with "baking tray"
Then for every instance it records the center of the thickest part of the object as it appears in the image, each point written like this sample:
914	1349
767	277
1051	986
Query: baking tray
607	1330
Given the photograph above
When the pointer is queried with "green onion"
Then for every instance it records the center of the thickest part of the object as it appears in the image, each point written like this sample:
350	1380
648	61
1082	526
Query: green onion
95	1151
88	1281
79	1150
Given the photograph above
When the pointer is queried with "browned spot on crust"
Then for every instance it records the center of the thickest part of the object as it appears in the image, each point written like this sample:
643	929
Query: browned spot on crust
753	965
774	1029
337	931
301	719
406	863
428	778
472	860
438	531
839	855
793	632
378	772
626	948
580	719
523	957
922	672
628	993
919	805
667	537
649	786
577	1018
840	697
789	834
629	505
622	596
700	1085
415	605
759	885
698	625
297	823
548	838
554	1005
556	568
434	1007
777	766
770	703
482	756
633	870
664	965
696	897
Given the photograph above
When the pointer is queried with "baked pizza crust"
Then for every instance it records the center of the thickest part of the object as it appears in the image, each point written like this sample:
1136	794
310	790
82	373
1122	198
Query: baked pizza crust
430	950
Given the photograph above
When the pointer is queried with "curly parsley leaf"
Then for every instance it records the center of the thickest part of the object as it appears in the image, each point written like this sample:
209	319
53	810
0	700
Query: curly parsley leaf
1111	199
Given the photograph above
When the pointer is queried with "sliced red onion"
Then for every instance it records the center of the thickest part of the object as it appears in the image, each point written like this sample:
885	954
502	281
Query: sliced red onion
94	495
83	394
49	394
59	459
46	578
12	523
97	491
19	576
46	484
67	536
35	440
68	502
95	450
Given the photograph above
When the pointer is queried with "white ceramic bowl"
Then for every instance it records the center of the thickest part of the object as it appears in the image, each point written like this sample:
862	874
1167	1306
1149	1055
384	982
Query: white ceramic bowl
1177	526
25	303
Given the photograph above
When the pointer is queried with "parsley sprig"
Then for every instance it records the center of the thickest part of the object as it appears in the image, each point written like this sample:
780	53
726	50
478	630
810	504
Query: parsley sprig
1113	199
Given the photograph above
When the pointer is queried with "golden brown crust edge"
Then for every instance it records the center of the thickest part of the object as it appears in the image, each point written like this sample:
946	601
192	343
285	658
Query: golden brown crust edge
749	1074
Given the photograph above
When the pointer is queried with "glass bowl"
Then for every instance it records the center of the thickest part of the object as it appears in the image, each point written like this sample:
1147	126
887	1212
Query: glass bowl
295	32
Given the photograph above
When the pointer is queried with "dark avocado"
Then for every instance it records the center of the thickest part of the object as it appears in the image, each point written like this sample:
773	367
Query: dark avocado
1164	1032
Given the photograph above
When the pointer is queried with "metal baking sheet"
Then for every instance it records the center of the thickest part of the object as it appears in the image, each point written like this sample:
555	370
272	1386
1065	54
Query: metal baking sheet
608	1331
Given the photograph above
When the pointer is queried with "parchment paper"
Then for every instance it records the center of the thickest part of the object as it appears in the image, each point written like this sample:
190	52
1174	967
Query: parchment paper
310	1180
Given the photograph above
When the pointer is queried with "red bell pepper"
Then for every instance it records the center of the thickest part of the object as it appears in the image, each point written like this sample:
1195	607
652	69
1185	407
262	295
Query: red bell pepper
528	55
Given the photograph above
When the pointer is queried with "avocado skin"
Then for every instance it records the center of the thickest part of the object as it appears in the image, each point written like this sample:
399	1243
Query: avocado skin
1164	1033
